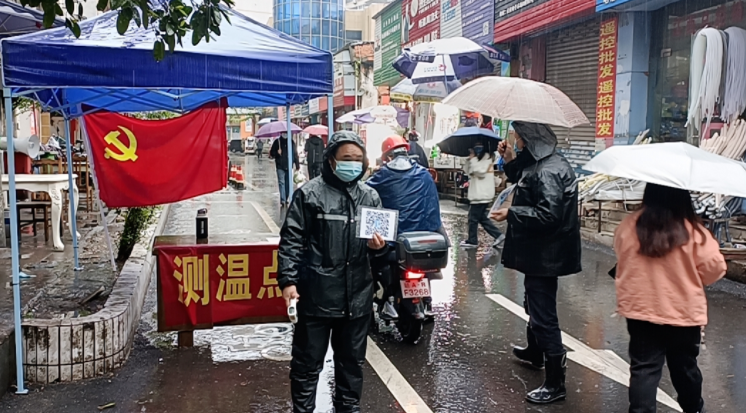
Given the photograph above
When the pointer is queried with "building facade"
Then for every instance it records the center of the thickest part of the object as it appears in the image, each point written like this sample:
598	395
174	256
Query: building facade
320	23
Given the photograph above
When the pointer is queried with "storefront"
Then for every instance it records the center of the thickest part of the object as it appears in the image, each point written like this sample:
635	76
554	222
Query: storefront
673	29
572	60
557	42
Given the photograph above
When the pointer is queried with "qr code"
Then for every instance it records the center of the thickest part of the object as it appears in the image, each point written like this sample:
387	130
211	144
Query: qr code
378	223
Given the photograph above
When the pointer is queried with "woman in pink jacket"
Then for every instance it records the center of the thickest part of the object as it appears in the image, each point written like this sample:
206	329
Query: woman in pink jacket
665	259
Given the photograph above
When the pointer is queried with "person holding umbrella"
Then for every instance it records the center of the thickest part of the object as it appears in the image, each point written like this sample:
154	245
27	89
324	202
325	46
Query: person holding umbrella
480	168
665	259
542	242
278	152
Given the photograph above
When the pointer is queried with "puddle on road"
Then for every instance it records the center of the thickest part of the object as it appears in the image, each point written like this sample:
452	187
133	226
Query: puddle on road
248	342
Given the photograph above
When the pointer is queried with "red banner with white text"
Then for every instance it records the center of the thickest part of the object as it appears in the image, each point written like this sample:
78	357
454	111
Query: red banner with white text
202	286
152	162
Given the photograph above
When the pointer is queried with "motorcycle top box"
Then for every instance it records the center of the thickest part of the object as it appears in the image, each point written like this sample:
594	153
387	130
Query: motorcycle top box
422	251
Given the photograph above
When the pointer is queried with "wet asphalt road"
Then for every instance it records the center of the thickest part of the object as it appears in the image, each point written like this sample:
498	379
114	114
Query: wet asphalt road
462	364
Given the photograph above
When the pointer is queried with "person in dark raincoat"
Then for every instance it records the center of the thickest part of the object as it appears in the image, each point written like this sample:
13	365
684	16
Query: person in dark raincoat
543	242
314	155
407	187
416	151
278	152
327	268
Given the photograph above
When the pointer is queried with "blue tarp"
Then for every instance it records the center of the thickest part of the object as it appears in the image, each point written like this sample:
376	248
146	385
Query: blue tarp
251	64
16	19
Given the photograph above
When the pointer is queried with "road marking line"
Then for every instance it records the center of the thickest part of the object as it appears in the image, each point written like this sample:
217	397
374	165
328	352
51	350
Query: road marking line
266	218
604	362
410	401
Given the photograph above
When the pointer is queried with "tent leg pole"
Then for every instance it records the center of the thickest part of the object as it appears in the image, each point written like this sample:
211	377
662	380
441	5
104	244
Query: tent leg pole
290	155
71	195
96	191
14	243
330	121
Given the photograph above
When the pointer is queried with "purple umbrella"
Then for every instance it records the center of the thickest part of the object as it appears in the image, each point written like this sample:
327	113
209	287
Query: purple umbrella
274	129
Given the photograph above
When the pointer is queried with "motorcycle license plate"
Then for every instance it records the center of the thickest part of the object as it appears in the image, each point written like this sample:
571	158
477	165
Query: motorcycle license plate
415	288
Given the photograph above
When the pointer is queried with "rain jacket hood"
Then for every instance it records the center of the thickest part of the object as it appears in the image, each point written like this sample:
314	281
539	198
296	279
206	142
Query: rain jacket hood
337	140
539	138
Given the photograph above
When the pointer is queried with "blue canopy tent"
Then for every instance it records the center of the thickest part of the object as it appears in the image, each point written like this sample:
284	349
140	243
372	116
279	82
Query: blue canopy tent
16	19
250	64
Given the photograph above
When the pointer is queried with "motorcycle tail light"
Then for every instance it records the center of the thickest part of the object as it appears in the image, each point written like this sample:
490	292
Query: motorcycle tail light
411	275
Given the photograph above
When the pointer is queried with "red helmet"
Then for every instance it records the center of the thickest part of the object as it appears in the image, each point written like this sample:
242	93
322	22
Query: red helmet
394	142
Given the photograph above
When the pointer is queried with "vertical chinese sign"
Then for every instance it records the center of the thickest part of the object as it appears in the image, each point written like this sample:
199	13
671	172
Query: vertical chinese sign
206	285
389	46
607	59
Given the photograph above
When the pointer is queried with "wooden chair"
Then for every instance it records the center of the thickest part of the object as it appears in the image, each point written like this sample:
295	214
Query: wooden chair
45	207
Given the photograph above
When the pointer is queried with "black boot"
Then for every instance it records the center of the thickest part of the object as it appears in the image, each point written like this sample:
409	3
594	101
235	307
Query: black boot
553	388
531	353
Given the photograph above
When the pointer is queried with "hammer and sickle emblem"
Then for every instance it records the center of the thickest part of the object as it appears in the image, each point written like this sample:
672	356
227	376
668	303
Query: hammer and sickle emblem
126	153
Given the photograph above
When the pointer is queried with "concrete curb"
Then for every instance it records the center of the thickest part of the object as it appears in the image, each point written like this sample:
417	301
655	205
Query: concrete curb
86	347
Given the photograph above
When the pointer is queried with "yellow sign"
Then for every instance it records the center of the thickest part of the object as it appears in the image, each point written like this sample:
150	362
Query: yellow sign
126	153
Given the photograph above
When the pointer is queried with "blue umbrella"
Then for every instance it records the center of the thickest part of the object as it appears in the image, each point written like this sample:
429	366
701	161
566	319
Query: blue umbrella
447	59
459	142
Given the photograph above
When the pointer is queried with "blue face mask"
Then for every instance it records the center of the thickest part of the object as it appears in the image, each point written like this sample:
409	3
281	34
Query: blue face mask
347	171
478	150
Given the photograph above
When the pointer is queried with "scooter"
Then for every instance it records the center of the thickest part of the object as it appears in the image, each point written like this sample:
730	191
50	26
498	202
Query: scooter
402	300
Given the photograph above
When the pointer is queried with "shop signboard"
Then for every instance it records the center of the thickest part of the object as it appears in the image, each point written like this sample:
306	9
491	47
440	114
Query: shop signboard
314	106
602	5
201	286
477	20
607	61
450	18
514	18
505	9
420	21
390	45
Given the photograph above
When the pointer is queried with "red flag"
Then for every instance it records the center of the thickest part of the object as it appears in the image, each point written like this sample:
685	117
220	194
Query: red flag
152	162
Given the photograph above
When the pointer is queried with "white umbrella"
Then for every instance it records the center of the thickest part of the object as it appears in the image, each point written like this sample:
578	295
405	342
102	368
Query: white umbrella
447	59
677	165
513	98
423	92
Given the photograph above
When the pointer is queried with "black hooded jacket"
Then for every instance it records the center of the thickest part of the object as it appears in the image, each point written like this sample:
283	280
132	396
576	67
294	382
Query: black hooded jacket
320	252
279	152
315	150
543	237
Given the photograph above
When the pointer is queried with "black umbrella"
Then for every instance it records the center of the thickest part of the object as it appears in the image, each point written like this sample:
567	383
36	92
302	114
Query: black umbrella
459	142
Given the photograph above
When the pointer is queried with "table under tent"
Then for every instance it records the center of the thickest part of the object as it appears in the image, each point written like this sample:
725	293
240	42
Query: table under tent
250	65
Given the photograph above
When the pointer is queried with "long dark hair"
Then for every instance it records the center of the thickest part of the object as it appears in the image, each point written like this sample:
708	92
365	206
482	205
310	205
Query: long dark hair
661	225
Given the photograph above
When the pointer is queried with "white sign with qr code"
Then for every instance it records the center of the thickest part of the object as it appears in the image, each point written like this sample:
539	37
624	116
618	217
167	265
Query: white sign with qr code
378	221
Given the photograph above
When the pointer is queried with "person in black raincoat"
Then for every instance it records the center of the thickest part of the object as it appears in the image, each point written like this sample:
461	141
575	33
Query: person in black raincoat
415	150
314	156
543	242
327	268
